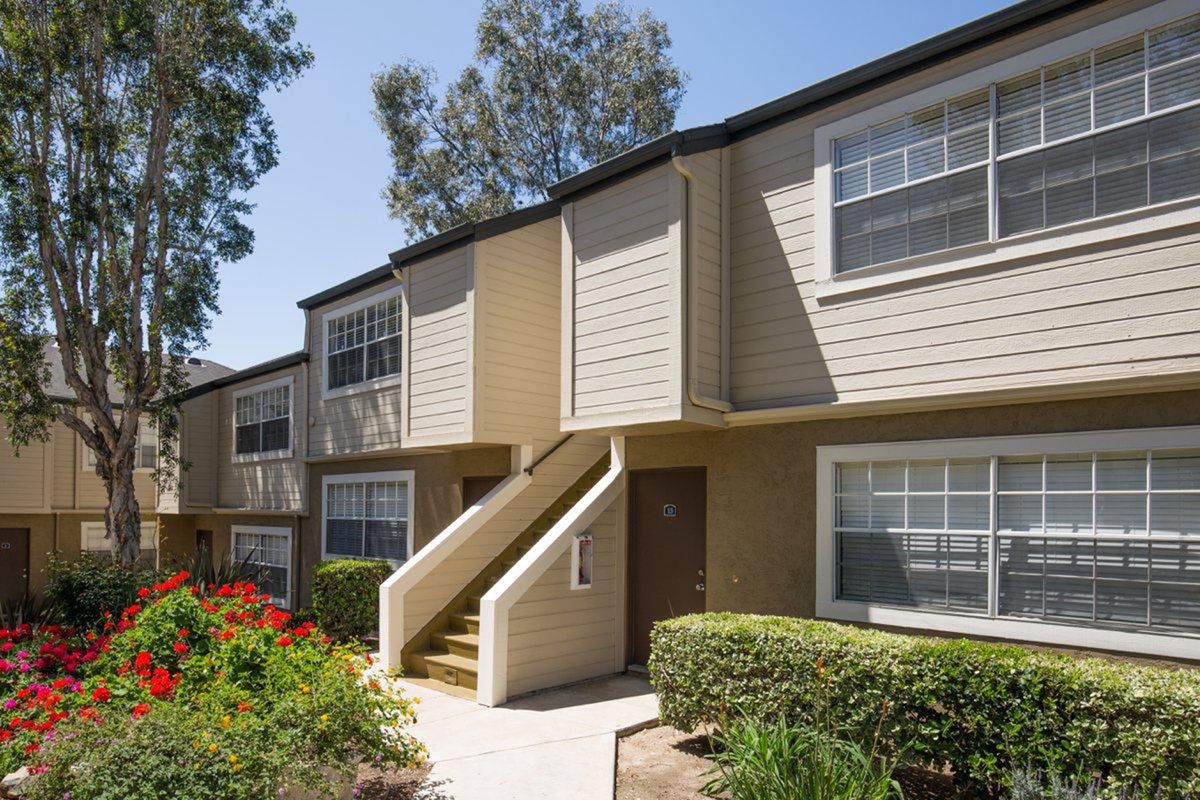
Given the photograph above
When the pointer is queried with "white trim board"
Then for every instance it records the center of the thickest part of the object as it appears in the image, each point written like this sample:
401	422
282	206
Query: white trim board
1101	637
1162	216
348	308
405	476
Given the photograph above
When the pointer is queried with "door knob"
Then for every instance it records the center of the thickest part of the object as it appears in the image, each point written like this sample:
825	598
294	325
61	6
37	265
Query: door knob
700	586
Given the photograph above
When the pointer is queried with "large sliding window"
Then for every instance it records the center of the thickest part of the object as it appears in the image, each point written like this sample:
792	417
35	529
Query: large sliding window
1108	130
362	345
367	516
1092	530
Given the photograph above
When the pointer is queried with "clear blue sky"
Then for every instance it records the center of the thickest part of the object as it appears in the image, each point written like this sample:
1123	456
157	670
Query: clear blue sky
319	217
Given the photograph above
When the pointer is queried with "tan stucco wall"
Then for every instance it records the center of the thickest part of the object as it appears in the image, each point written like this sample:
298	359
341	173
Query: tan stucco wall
762	480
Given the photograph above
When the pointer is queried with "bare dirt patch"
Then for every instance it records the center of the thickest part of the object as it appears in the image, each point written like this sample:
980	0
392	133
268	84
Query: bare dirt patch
661	764
377	784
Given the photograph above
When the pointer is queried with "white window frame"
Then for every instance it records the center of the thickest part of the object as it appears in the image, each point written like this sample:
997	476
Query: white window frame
1174	645
405	476
374	384
88	461
290	382
1158	217
265	530
150	528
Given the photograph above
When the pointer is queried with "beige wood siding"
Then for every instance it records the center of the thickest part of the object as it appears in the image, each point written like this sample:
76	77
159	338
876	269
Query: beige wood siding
200	448
66	450
1115	309
269	484
624	346
439	295
705	236
518	317
24	484
352	423
557	635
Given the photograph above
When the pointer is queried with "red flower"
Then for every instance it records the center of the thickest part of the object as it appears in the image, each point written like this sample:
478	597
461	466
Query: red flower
141	709
142	661
244	707
283	641
183	632
181	648
143	592
101	694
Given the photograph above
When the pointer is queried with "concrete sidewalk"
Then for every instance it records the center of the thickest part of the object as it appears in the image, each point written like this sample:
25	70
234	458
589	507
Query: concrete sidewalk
557	744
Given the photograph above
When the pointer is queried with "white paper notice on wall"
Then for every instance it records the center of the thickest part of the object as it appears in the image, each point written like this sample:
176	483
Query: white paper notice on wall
581	561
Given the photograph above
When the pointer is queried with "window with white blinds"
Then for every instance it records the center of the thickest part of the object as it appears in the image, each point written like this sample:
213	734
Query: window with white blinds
94	539
269	549
263	419
363	344
367	516
1097	537
1111	129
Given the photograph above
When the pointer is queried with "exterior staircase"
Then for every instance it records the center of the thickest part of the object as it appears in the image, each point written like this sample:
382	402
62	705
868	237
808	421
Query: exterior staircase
446	650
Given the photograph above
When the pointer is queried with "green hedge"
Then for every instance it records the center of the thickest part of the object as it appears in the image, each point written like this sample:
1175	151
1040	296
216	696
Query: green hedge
83	590
346	596
983	709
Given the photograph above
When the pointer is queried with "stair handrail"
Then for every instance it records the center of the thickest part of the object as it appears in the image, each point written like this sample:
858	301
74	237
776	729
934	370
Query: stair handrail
529	470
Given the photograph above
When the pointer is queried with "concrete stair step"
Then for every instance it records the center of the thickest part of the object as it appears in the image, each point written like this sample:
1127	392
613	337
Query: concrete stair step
464	622
457	643
452	669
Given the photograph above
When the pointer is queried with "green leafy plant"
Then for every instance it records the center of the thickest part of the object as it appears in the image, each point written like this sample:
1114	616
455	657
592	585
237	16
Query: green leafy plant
35	610
982	709
205	571
782	760
84	590
346	596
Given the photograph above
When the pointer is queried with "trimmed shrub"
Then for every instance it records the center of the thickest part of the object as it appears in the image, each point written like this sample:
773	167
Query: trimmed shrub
83	590
982	709
346	596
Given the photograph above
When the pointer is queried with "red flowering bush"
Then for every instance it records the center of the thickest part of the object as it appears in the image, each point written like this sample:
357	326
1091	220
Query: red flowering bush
233	674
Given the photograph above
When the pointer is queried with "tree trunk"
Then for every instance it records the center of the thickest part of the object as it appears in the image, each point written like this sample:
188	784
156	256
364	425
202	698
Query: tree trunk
123	518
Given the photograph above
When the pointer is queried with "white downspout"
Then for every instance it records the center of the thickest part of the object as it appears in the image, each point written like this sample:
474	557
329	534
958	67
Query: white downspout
687	271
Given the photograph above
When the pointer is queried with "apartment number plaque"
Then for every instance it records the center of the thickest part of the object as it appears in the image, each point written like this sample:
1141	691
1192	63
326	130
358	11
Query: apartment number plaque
670	510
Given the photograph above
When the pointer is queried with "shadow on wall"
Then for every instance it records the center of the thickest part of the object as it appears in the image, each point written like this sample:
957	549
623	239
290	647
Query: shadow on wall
775	357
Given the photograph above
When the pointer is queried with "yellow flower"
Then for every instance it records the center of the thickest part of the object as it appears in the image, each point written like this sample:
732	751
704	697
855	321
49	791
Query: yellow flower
196	766
324	718
304	688
237	767
212	748
196	744
233	759
225	720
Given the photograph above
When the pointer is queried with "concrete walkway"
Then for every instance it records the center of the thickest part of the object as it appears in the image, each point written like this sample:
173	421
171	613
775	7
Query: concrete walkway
559	744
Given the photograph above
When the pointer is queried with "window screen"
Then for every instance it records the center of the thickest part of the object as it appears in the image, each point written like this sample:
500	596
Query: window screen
1108	130
1109	538
367	520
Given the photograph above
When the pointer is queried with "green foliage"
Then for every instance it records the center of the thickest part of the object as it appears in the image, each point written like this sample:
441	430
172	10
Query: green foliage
1028	784
204	697
130	135
206	571
34	610
346	596
83	590
803	761
982	709
553	89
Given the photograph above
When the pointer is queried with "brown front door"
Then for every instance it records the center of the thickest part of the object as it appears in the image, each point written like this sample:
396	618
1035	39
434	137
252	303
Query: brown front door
666	551
14	564
474	489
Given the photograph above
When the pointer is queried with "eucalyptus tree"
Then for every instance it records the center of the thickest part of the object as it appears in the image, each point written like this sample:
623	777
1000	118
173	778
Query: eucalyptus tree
130	133
552	89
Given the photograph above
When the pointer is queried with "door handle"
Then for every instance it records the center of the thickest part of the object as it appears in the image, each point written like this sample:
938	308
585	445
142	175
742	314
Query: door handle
700	586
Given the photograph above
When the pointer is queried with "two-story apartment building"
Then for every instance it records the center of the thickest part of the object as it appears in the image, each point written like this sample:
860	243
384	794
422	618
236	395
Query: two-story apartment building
51	499
917	346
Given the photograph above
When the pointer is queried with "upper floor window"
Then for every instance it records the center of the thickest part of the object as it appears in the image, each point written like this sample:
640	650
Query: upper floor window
146	455
363	344
263	418
1108	130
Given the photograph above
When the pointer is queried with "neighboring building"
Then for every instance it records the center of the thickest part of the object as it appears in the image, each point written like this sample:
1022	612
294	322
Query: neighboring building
917	346
51	499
